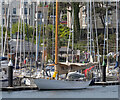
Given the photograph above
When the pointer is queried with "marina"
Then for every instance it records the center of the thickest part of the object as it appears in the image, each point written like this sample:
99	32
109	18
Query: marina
53	49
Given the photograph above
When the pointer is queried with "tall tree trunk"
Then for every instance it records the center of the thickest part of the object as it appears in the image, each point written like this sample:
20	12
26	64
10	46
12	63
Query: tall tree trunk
76	8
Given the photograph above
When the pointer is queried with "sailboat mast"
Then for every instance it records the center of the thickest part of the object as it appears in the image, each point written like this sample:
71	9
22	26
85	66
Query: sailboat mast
11	26
36	32
98	58
90	31
107	34
43	37
56	34
6	23
1	29
117	30
68	47
21	33
72	33
17	40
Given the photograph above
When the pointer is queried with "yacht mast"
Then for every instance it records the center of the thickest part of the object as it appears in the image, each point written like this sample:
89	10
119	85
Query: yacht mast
72	34
56	35
10	27
6	23
1	28
43	20
116	30
107	35
20	33
88	32
23	32
17	40
36	34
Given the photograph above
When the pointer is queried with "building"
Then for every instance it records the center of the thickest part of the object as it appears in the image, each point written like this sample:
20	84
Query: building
28	14
83	18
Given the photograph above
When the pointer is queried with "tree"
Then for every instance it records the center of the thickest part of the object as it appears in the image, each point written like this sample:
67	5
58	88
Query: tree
100	9
63	34
29	33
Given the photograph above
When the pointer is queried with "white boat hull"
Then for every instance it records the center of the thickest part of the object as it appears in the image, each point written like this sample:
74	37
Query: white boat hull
44	84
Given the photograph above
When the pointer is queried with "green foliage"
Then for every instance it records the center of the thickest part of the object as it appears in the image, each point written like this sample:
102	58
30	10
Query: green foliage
27	28
63	34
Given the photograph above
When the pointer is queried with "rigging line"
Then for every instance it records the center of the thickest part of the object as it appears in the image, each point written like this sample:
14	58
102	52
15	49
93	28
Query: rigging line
27	34
1	28
98	57
20	33
6	22
92	36
68	46
23	32
90	29
43	37
104	40
98	60
91	32
36	31
17	40
72	34
11	27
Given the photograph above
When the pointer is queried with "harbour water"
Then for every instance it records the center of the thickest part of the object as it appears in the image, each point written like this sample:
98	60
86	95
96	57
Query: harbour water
90	92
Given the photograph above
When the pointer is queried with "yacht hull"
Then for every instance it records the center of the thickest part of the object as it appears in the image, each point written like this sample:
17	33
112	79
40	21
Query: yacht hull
44	84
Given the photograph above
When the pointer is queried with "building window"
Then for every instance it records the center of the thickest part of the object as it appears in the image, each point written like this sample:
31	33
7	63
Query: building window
25	10
29	21
29	11
25	3
3	9
14	10
39	15
3	21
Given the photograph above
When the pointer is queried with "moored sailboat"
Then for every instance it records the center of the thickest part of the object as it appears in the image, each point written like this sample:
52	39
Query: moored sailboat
47	84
